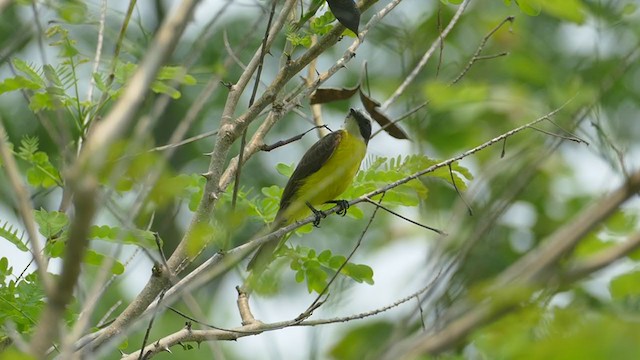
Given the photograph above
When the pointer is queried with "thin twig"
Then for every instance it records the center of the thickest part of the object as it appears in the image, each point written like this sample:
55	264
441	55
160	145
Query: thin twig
94	70
220	263
186	335
476	56
280	143
453	182
401	118
146	334
563	137
379	205
256	83
314	305
425	58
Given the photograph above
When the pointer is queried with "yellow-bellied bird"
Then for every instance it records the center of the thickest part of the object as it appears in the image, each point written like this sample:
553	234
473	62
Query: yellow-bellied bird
325	171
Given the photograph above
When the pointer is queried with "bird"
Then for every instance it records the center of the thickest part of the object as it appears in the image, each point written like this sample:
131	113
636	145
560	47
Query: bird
325	171
346	12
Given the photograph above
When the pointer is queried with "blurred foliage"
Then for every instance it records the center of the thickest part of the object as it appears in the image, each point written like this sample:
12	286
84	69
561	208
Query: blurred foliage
580	54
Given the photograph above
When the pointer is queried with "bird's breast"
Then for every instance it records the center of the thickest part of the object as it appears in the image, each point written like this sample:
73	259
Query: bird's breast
338	172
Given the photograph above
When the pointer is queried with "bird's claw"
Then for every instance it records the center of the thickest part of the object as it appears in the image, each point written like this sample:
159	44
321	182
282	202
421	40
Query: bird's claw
319	214
343	206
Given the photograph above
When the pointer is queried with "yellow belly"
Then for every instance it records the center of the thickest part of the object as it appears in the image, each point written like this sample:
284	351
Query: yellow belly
331	180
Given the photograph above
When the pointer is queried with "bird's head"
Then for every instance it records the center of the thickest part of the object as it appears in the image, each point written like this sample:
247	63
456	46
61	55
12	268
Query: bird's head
358	124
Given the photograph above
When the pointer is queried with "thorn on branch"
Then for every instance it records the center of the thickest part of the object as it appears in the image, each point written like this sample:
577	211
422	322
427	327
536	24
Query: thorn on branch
208	175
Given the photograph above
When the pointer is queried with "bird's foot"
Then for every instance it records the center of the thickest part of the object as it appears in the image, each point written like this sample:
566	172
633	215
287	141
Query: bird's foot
343	206
319	214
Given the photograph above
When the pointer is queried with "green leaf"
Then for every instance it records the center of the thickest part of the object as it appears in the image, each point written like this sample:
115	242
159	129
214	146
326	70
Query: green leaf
625	285
28	147
299	40
29	71
137	237
363	342
51	75
529	7
72	11
621	222
100	84
336	261
51	222
4	266
11	234
324	256
321	25
176	73
18	83
55	249
95	258
359	272
571	10
202	234
629	8
445	97
124	345
272	191
316	279
355	212
285	169
295	264
162	88
591	245
42	101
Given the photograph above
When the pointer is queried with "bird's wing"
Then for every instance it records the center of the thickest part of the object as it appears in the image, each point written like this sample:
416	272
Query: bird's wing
311	162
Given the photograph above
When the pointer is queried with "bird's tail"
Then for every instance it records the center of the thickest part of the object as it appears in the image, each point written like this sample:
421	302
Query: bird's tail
264	255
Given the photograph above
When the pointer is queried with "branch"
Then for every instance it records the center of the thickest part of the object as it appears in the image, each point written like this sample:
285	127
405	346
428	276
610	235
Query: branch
318	301
537	264
24	208
604	258
476	56
255	328
113	125
532	271
423	61
75	247
222	262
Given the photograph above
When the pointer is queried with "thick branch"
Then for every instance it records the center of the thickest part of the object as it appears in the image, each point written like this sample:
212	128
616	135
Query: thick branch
112	127
540	262
75	247
532	271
